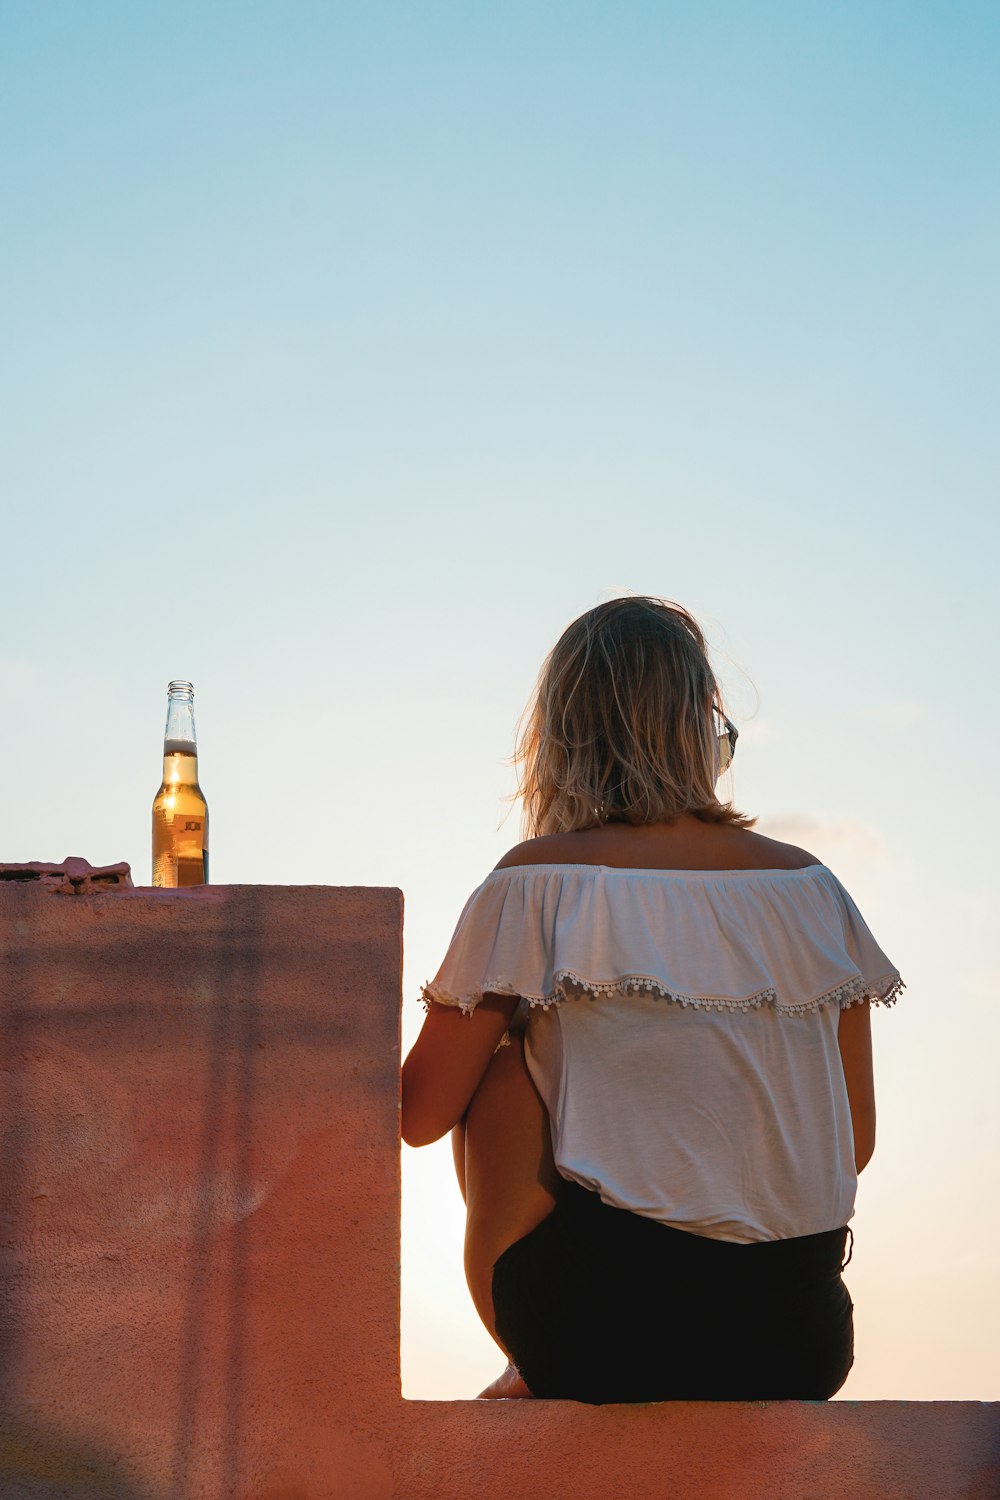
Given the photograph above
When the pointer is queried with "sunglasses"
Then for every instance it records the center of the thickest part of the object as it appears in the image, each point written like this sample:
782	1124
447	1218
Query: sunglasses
727	739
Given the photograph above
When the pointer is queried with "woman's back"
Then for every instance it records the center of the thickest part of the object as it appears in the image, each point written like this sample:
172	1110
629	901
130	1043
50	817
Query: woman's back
683	1030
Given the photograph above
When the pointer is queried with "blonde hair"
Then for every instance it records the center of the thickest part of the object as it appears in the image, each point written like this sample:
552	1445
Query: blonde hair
619	728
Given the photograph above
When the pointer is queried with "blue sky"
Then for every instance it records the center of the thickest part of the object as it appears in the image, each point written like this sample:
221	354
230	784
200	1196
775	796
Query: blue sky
350	351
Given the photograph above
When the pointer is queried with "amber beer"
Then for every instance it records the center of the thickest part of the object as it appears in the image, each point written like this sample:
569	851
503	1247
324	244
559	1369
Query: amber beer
180	812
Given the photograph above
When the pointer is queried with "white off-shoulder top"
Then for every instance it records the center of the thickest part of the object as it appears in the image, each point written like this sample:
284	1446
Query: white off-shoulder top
681	1028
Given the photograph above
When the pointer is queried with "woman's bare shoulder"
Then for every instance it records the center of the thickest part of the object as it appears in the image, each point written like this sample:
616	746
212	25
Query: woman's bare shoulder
772	854
696	846
549	849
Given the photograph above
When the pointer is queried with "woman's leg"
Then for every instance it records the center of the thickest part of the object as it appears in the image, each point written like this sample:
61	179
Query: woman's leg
503	1153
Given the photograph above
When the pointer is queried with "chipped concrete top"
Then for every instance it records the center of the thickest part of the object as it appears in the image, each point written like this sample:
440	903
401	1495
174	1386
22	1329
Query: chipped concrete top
73	876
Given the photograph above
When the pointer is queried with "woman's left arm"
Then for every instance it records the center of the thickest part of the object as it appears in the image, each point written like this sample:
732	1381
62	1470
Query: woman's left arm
446	1064
854	1035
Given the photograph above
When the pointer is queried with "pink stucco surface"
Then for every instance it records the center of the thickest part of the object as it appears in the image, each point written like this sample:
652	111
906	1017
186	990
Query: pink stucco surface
199	1243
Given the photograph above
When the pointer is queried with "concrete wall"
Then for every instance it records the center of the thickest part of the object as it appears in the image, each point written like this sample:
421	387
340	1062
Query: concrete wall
199	1243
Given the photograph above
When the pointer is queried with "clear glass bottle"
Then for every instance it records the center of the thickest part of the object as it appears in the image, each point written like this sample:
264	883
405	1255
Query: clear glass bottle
180	812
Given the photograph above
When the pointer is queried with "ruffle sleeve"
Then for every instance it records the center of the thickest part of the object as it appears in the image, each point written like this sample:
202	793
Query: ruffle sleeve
725	939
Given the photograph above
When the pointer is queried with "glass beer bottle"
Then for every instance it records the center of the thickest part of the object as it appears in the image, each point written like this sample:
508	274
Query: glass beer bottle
180	812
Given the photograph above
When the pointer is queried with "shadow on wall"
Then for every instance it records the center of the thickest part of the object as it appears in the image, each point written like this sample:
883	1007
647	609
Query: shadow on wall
103	1185
34	1467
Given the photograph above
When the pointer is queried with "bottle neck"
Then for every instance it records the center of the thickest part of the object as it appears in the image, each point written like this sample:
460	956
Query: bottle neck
180	739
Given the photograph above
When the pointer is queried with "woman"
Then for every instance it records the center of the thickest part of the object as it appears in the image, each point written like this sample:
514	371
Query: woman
660	1167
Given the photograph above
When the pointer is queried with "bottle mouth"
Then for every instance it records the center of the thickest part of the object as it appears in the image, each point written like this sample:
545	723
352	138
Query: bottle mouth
181	690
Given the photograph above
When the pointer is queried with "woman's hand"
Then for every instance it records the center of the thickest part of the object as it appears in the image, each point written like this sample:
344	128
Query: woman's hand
446	1064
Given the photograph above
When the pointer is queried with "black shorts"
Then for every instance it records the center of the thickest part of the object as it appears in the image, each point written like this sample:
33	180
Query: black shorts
598	1304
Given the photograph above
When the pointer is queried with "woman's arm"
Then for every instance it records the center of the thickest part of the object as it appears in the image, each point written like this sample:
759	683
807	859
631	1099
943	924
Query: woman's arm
446	1064
854	1034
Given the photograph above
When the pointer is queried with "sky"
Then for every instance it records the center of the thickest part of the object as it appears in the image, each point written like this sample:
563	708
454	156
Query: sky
351	351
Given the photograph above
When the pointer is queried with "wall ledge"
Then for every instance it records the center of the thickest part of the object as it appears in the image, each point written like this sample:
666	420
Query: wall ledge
199	1243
